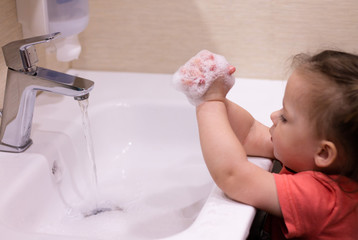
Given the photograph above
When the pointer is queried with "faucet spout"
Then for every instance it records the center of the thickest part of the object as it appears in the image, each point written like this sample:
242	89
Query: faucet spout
19	101
81	98
22	85
60	83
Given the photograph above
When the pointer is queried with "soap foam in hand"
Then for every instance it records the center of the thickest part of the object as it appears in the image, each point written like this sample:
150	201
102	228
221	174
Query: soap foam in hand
196	76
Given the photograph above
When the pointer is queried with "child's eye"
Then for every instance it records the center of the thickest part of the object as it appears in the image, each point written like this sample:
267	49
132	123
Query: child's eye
283	119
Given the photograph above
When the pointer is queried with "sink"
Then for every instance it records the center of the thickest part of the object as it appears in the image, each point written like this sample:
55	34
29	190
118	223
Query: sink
152	182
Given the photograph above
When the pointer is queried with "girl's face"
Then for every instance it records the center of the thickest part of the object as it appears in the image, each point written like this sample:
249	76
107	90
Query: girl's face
292	135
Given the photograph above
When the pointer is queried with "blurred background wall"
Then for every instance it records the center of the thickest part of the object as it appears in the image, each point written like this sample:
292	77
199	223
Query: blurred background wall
257	36
10	30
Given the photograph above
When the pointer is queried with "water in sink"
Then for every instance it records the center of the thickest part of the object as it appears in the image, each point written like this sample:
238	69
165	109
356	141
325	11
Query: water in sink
150	170
152	181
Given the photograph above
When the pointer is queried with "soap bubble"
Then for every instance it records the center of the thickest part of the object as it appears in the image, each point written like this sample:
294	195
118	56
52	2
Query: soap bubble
196	76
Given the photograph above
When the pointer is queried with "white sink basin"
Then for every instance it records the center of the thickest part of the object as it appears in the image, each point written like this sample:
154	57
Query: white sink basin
152	180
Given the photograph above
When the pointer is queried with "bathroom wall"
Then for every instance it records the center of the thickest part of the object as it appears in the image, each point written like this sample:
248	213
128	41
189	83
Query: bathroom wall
10	30
257	36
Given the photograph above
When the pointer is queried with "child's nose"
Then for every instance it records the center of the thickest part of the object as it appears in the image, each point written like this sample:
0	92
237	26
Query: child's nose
274	117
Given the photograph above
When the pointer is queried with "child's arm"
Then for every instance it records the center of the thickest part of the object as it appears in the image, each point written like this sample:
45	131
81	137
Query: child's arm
225	156
253	135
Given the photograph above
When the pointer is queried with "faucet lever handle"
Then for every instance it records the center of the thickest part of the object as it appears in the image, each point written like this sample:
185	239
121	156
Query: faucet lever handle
21	55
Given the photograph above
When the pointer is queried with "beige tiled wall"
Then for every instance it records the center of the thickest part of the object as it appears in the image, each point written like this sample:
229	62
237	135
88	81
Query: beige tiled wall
10	30
257	36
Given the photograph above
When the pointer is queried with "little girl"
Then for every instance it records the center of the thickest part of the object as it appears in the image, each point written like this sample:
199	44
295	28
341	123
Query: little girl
314	136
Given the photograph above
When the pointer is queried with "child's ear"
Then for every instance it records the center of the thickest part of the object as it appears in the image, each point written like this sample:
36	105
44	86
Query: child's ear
326	154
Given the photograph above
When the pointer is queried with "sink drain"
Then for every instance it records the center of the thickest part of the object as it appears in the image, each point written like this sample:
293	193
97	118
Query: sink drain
102	210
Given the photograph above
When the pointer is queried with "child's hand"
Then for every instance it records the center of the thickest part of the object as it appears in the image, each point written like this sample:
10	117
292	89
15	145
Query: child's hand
198	75
219	88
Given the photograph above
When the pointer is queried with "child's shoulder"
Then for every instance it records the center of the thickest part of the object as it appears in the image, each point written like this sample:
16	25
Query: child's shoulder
315	179
317	200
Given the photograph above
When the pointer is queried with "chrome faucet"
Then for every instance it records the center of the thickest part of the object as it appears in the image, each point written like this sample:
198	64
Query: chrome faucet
23	81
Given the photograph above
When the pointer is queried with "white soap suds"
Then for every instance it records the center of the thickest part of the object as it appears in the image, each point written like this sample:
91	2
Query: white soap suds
196	76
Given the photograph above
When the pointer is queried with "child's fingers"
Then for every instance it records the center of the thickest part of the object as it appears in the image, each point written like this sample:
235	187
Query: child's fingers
232	69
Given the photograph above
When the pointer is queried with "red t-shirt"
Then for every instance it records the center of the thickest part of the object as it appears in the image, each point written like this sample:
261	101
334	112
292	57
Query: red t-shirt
314	206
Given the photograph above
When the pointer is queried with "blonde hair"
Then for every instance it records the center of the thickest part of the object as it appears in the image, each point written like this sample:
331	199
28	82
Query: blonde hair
334	80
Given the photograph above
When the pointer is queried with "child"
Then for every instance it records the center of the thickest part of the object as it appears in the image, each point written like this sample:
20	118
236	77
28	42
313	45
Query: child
314	136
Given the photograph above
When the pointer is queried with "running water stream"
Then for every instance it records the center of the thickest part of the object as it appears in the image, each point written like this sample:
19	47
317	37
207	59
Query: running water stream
94	196
93	185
